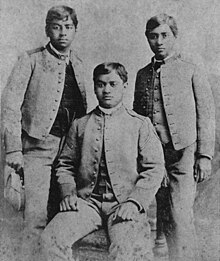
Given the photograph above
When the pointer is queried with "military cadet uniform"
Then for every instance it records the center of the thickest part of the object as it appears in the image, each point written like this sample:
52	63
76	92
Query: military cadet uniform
176	96
45	91
108	159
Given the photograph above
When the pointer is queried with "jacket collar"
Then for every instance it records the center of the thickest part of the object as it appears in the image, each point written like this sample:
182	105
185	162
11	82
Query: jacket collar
115	112
167	60
58	55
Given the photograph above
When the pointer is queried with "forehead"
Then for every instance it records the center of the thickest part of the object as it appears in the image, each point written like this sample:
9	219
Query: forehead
112	76
163	28
66	20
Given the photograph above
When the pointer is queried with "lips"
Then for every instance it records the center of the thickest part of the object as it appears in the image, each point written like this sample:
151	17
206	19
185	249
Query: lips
63	40
107	97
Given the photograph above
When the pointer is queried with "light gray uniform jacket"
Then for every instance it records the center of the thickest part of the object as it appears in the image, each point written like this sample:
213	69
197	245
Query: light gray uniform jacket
187	100
33	95
133	153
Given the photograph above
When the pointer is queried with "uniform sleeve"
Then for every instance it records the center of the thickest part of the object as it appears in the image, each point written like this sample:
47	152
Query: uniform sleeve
12	102
205	113
68	162
151	166
137	95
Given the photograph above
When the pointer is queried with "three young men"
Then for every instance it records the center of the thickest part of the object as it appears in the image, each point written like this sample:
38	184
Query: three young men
109	171
44	93
176	96
101	174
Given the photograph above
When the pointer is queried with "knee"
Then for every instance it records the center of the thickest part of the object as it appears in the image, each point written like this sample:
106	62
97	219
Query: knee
46	239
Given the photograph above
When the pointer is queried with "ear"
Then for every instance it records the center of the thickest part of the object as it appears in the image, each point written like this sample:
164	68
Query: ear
47	32
94	89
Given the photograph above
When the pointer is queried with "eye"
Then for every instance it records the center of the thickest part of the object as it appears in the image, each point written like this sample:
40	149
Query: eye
99	85
69	27
55	27
153	36
165	35
113	84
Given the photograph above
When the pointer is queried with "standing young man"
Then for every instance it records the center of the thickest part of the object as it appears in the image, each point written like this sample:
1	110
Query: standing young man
176	96
45	91
109	171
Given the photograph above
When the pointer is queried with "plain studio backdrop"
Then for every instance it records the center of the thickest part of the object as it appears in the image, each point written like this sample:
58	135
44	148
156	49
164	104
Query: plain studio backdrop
113	30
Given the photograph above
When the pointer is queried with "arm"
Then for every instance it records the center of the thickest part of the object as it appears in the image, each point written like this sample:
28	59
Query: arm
151	171
67	168
12	101
205	124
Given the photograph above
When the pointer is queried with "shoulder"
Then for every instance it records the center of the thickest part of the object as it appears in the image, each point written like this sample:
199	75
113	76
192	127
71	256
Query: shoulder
140	118
145	69
36	50
82	121
29	55
75	57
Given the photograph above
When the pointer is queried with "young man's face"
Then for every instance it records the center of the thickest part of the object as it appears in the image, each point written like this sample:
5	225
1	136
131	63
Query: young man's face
109	89
61	34
161	41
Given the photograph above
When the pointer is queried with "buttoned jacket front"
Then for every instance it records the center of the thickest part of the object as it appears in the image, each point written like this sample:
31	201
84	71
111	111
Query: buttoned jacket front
33	94
132	150
187	100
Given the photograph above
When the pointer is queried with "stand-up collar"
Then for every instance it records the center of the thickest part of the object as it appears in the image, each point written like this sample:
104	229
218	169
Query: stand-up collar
57	54
167	60
113	111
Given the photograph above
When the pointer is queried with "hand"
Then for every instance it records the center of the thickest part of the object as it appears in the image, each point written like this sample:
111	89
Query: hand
202	169
127	211
15	160
69	203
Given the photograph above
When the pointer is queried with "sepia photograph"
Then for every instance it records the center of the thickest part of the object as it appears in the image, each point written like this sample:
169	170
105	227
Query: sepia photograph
110	130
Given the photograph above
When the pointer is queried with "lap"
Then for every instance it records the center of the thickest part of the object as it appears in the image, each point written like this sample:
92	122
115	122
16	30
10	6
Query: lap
70	226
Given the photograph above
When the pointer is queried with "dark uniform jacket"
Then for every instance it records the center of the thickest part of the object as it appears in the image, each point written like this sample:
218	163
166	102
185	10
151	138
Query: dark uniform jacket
133	153
187	100
33	94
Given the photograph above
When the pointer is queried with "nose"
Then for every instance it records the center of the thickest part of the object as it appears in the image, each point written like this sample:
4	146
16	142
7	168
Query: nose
107	88
63	30
159	40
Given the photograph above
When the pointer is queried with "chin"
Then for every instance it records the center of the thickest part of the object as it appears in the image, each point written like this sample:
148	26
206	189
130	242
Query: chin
106	106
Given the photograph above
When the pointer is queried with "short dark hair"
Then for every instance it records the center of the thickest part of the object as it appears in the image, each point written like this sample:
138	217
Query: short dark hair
60	12
160	19
106	68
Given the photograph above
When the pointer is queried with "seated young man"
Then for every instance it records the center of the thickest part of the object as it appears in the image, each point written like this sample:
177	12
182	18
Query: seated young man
109	172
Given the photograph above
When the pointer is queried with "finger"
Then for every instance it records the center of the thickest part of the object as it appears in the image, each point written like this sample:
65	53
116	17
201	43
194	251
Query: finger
120	211
125	214
201	176
61	206
116	214
67	204
73	203
196	175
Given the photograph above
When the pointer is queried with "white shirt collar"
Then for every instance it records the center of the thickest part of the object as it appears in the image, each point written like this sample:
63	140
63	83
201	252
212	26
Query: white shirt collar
110	110
65	56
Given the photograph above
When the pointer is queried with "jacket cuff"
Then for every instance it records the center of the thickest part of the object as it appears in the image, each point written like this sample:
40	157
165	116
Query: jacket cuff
12	143
205	156
139	206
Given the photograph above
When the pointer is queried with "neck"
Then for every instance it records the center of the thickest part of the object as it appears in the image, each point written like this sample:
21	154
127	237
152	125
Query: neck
110	110
63	51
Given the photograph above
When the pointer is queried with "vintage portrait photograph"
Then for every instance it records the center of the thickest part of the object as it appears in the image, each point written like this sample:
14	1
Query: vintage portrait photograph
110	130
